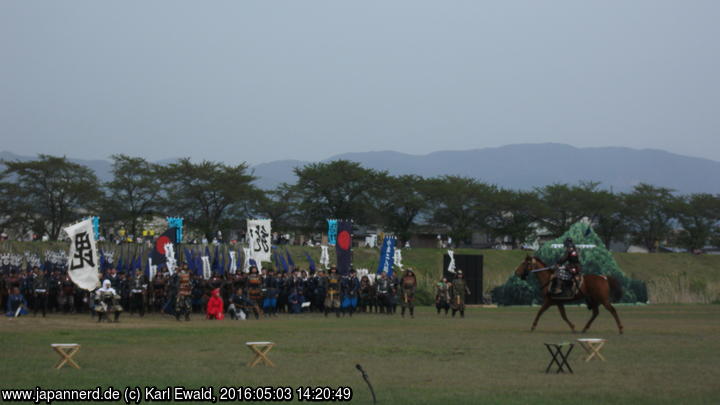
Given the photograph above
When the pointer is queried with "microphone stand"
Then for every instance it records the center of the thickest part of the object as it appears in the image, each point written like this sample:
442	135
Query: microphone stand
365	377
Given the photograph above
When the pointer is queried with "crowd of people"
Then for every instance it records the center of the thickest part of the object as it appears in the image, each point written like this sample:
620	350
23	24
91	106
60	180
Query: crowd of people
258	293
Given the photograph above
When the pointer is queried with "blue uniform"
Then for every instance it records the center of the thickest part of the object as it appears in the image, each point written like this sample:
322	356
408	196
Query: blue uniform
14	302
270	284
350	287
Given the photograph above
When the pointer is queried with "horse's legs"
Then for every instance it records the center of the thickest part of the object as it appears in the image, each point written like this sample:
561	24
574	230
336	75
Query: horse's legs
612	310
595	312
545	306
561	308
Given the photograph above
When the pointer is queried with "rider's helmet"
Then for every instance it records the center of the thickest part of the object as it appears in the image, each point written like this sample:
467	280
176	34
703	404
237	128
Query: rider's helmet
569	243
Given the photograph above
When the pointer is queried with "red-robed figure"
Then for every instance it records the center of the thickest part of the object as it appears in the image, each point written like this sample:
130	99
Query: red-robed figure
215	306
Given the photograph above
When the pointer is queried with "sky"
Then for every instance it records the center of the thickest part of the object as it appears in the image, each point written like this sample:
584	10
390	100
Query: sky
257	81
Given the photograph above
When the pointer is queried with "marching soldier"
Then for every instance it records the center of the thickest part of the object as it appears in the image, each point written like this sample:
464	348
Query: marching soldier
350	286
458	291
320	282
366	294
183	303
332	295
270	285
442	296
137	293
54	282
408	285
158	292
40	291
395	281
67	294
384	289
254	285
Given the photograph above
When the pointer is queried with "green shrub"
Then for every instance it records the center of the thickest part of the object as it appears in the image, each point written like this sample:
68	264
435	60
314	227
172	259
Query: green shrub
639	288
515	292
597	260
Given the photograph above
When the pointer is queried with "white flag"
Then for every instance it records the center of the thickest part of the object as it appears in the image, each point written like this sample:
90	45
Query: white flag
324	256
83	258
171	263
152	269
398	259
207	273
246	260
233	262
259	239
451	265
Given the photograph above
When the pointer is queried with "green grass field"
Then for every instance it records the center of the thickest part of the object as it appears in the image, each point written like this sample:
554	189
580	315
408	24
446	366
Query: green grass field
668	355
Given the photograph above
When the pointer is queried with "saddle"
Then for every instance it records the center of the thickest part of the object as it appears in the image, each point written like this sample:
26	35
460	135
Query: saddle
568	284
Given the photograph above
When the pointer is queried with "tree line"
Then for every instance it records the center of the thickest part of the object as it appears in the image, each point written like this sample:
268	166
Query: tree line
45	194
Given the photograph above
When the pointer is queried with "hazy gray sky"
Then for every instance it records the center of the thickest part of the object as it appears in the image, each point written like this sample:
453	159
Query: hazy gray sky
264	80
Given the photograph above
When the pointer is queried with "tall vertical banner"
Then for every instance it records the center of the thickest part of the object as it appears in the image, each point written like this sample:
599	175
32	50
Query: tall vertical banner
343	248
96	226
206	271
159	253
83	258
397	261
233	262
151	269
451	265
177	223
258	237
247	255
324	256
170	261
332	231
387	255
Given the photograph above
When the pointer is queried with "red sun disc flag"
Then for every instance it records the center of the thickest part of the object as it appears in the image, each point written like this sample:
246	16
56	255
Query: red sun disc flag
158	254
344	240
343	248
160	244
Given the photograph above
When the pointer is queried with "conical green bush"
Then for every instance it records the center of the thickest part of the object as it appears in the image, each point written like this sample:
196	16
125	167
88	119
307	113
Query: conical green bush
594	258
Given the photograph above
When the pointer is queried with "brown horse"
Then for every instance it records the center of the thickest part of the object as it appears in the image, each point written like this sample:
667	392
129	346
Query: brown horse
595	290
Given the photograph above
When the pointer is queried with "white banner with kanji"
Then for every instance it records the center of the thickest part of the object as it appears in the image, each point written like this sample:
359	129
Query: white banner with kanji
259	240
83	258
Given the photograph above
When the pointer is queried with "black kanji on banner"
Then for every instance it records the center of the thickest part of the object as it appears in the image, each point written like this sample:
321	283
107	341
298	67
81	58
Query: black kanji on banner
83	252
262	239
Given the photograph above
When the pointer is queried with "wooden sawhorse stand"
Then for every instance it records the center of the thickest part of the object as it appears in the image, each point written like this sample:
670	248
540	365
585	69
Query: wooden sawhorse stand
66	352
593	347
261	350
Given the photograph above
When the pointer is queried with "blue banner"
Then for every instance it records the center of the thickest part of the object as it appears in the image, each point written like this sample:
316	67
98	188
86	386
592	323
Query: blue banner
311	262
283	263
96	227
332	231
176	222
387	255
290	261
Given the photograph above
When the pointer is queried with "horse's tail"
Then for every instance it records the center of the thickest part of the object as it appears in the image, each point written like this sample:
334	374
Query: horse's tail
615	289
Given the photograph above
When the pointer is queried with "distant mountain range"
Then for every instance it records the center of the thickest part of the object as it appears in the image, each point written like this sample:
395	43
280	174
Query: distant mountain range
521	166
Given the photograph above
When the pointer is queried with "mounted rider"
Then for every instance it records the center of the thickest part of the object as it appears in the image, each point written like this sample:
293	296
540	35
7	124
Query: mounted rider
573	267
